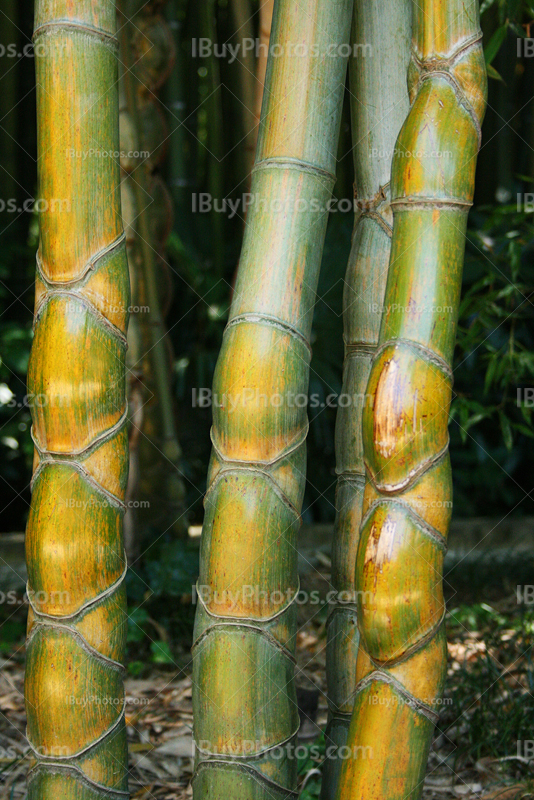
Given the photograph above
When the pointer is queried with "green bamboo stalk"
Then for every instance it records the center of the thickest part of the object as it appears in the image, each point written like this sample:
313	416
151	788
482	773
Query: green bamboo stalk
214	107
407	503
74	545
266	21
246	65
179	169
379	105
9	73
137	391
244	699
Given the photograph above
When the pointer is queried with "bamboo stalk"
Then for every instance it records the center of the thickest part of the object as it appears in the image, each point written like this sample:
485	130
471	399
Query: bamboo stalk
157	456
379	105
214	108
9	34
245	708
266	21
253	118
407	502
74	545
179	168
170	446
246	64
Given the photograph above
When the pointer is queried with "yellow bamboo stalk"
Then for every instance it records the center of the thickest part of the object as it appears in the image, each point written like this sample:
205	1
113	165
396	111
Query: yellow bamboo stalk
74	544
407	503
379	105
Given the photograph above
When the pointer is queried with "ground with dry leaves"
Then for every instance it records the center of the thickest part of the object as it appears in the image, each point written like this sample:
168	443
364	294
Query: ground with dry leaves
484	723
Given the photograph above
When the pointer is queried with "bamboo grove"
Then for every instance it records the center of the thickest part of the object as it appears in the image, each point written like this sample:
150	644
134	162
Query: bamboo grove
74	542
416	130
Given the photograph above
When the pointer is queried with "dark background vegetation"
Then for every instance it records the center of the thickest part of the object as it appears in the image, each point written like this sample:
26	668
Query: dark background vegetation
491	427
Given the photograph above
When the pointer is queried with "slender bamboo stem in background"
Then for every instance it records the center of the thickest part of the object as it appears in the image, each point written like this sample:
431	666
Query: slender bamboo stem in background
244	699
246	63
155	453
159	354
179	149
258	86
379	105
266	21
137	392
215	143
74	548
170	447
402	655
9	35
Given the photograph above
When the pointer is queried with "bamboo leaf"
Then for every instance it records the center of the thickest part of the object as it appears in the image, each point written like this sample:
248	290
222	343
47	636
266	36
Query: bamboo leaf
513	8
506	430
524	429
490	372
486	5
518	30
476	418
492	73
494	44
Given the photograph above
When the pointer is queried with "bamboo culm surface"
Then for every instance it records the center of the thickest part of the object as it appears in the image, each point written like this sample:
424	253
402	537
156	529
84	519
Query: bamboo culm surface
74	543
407	502
244	701
379	105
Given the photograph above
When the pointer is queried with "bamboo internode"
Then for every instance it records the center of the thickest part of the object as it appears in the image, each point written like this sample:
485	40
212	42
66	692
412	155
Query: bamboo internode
246	717
406	513
379	105
74	546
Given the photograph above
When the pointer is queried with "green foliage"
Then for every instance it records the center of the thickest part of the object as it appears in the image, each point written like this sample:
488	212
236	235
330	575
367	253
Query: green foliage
161	593
17	264
13	631
171	568
309	768
510	16
495	357
494	364
492	687
161	652
511	12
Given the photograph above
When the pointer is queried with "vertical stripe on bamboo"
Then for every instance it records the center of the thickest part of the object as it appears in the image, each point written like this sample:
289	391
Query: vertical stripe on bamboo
246	717
379	105
407	503
74	548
